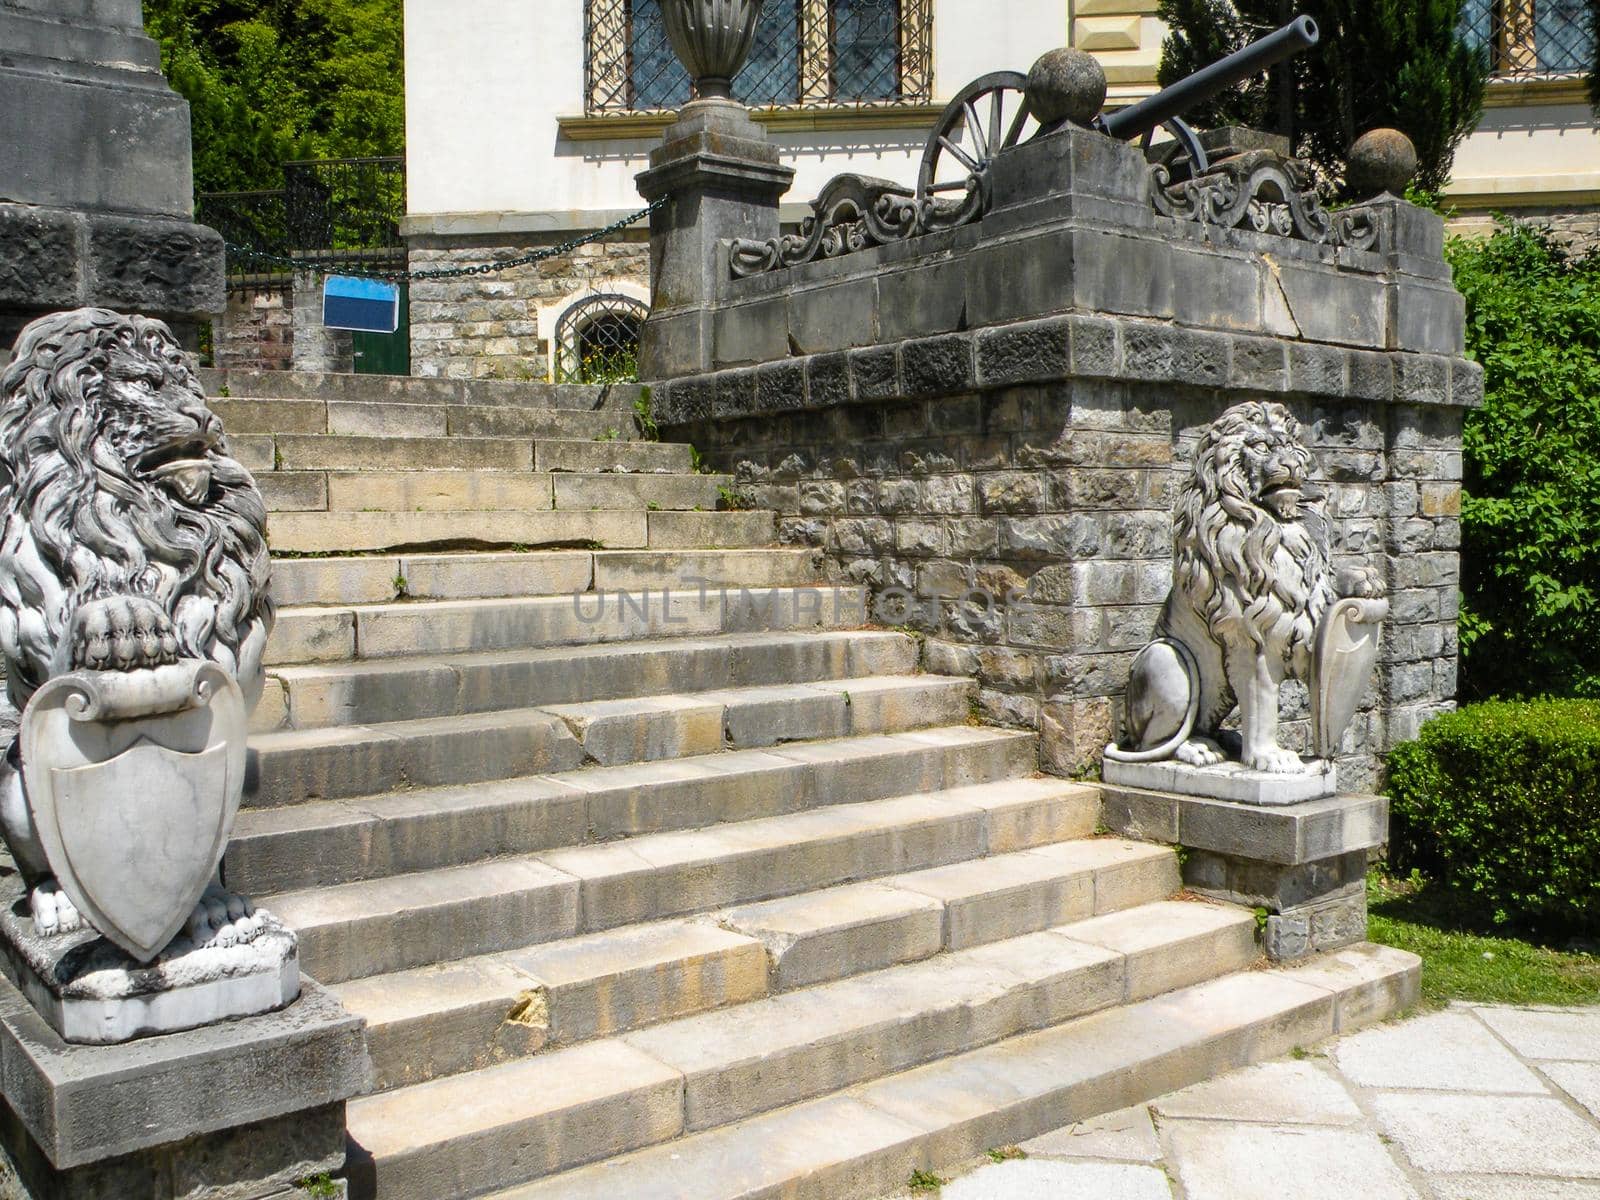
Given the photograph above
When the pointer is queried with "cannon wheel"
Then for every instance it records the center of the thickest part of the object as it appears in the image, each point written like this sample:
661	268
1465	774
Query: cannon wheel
986	116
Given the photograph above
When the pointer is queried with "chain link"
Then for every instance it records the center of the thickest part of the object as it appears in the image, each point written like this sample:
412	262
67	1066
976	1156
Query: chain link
333	267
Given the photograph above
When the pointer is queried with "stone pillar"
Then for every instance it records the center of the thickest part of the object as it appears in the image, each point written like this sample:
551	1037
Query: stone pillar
96	181
722	180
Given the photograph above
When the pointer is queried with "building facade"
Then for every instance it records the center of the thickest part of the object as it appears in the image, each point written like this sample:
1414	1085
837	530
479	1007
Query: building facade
527	123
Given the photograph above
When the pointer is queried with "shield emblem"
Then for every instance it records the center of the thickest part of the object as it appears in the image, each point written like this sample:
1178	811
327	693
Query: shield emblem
133	782
1347	648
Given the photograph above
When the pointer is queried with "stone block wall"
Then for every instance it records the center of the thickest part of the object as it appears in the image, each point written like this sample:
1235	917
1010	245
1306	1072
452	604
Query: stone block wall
256	332
487	326
1577	225
1010	498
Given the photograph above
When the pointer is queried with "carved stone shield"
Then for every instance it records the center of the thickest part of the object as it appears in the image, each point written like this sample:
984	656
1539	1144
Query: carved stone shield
1347	648
133	782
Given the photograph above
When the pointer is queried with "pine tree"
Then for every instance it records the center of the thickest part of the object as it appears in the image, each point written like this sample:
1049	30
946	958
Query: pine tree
1400	63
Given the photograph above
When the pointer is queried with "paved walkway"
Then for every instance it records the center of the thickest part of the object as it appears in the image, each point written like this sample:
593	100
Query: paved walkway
1472	1103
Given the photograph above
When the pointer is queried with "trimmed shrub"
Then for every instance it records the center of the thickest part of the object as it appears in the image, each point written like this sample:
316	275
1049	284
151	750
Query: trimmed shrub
1500	802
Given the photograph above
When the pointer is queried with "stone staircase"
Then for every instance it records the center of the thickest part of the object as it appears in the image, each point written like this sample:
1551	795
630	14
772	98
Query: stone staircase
653	871
362	463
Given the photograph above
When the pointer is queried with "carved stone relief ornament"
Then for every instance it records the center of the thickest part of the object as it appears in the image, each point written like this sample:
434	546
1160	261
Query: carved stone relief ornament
1264	191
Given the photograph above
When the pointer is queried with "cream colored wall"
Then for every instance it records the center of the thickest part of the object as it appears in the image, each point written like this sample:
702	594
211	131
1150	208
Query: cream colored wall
1529	155
486	83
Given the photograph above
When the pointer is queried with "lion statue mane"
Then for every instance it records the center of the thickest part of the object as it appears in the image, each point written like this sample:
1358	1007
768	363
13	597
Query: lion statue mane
1252	579
131	537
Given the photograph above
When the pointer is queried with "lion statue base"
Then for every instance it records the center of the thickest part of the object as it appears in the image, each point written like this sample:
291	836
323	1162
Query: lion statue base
1255	601
134	614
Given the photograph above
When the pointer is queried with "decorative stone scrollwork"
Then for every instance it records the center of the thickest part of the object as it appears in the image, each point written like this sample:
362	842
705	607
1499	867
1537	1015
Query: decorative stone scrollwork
1263	191
853	213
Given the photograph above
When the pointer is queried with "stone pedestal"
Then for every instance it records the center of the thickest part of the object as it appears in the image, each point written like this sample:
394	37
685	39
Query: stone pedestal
724	182
96	181
241	1110
1304	863
91	992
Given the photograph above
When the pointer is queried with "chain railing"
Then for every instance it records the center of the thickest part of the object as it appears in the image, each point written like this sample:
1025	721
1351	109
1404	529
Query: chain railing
1531	39
806	54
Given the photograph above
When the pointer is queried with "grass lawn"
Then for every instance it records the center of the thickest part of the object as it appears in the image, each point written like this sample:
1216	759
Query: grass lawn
1461	963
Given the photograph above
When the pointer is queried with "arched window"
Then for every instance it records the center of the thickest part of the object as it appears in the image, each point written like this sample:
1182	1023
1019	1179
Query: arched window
597	340
807	53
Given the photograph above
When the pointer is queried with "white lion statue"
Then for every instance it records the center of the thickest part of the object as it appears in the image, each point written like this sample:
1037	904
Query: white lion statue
1251	595
131	540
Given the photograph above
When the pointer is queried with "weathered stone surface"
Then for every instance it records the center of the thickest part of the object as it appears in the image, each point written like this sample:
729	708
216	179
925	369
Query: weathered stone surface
170	1089
1447	1050
1492	1135
1046	1180
1241	1162
1280	1093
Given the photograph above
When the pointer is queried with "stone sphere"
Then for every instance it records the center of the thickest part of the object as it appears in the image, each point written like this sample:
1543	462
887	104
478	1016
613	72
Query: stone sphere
1383	160
1066	84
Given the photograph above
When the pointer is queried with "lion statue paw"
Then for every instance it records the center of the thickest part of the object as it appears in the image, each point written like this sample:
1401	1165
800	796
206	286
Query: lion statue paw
1200	752
122	633
52	911
222	918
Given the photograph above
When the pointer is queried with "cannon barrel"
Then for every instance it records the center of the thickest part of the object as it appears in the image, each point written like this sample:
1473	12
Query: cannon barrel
1138	119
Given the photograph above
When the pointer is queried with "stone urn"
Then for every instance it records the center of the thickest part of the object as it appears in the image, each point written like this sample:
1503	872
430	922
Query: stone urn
712	39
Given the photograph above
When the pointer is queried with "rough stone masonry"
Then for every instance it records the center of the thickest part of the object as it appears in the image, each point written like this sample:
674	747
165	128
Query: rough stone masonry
986	424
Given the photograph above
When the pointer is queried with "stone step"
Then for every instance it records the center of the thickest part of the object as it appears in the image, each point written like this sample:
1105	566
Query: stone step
865	1142
577	1105
388	418
264	453
659	491
405	630
348	931
403	689
378	579
342	532
436	1021
340	452
235	383
612	456
321	843
435	491
294	765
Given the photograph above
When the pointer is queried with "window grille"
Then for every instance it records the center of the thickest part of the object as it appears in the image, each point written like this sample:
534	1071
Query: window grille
806	54
1528	39
597	340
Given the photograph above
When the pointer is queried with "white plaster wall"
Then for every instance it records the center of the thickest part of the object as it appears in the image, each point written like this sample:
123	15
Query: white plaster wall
1519	154
485	83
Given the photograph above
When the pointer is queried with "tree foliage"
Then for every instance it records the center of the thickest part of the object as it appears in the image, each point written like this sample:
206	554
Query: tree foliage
1530	620
1398	63
269	80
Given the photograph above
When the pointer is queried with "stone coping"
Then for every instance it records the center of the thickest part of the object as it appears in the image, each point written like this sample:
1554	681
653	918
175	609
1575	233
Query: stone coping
1288	835
1063	349
84	1104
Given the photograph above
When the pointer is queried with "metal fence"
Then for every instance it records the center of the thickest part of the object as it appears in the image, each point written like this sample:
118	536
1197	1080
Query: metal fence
806	54
1530	39
597	340
344	210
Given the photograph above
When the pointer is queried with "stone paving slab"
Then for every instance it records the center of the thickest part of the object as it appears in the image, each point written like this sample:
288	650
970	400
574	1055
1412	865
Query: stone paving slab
1477	1102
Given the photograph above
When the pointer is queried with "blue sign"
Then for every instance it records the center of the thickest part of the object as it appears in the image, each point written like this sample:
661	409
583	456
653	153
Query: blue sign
365	305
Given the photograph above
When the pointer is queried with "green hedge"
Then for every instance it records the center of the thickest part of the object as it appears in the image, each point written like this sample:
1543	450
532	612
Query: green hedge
1500	802
1530	522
